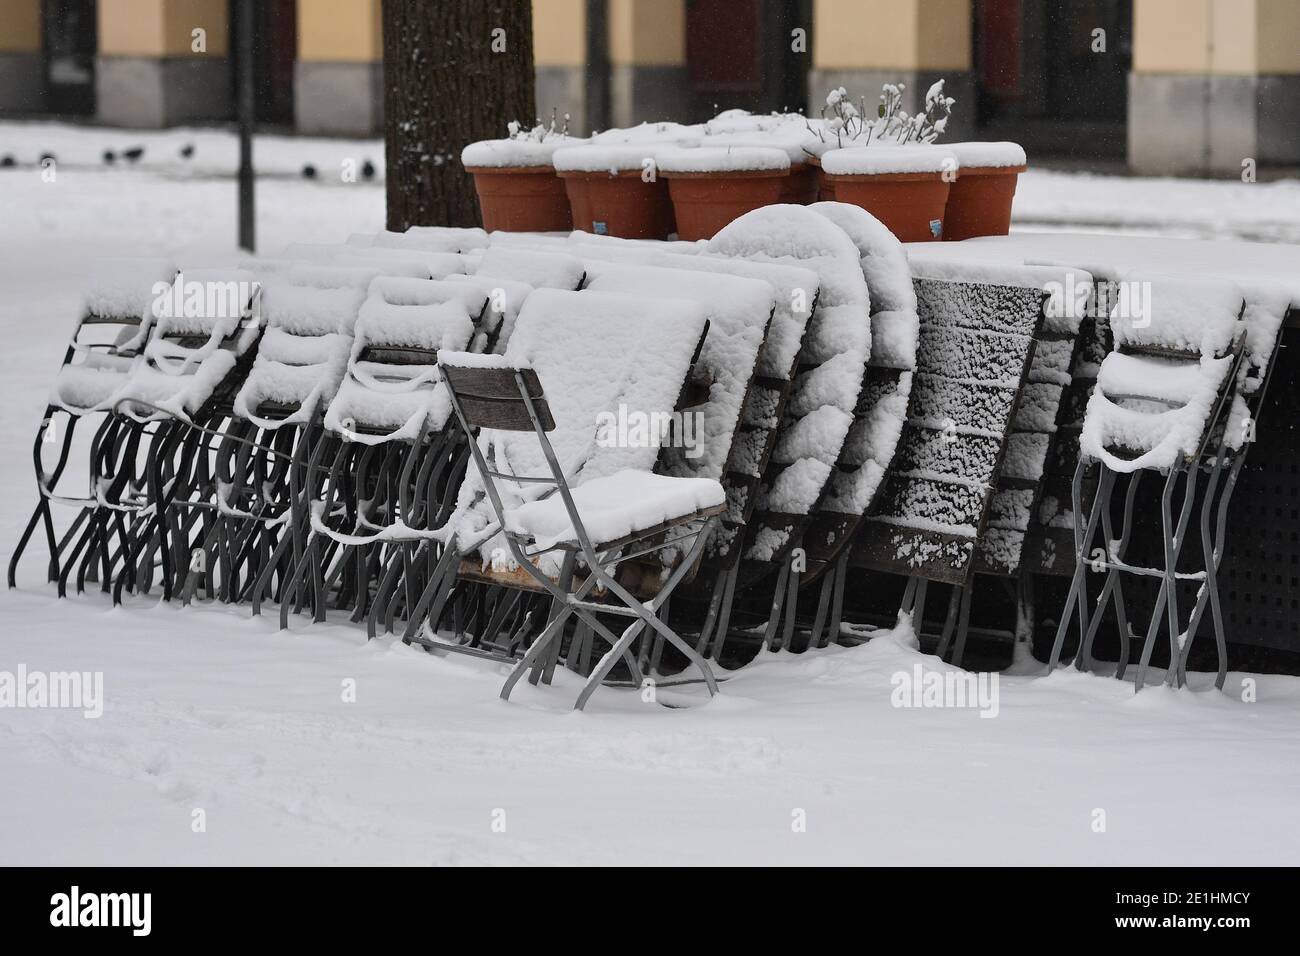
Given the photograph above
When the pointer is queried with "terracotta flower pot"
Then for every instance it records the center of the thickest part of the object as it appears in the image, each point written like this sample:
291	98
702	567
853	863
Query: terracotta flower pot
825	188
619	204
521	198
911	205
801	186
705	202
979	203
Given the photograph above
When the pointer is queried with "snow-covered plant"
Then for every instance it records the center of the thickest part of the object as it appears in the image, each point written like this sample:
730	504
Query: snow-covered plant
925	127
540	132
848	125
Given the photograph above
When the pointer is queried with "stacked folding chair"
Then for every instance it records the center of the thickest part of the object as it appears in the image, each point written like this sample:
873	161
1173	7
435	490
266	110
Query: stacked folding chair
595	512
106	346
1177	398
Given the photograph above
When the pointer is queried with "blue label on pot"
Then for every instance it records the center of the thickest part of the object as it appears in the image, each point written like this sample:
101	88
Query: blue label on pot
600	228
936	228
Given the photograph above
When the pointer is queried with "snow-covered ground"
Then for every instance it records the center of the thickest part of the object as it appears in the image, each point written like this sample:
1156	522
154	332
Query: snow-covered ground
207	709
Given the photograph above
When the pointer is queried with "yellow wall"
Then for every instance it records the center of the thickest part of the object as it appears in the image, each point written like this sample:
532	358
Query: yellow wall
1278	23
892	34
559	32
20	31
155	28
340	31
647	32
1225	37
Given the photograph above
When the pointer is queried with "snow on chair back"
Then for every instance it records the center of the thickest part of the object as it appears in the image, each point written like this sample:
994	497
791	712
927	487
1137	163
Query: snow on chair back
192	359
882	404
594	353
1155	393
119	297
1021	482
795	291
542	270
492	303
832	360
738	312
391	390
395	262
427	238
1165	401
975	348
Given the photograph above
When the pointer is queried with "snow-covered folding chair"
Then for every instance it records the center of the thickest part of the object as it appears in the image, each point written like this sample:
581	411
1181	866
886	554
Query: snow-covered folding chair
703	439
1021	480
597	345
389	445
493	304
1175	398
870	444
558	506
814	415
976	346
184	388
498	283
104	349
275	425
795	294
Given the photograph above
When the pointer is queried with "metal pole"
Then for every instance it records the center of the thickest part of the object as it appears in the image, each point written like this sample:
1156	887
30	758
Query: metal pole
244	111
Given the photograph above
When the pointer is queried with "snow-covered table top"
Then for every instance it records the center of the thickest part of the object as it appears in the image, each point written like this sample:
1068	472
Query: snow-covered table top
1254	266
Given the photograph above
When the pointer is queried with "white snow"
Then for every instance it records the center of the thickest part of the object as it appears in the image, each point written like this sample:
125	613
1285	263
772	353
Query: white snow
721	159
614	507
880	159
207	708
987	155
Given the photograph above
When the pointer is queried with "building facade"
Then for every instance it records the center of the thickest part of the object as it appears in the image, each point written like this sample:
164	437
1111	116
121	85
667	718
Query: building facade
1169	86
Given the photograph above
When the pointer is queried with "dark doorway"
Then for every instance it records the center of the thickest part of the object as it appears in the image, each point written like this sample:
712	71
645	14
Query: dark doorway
1053	74
275	49
69	43
740	54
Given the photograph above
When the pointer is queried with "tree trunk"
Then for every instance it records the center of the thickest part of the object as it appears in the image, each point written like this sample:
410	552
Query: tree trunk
455	71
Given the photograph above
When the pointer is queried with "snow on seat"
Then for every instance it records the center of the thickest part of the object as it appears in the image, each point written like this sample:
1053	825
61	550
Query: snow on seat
190	357
107	344
427	238
976	341
593	353
1154	397
615	507
832	360
391	390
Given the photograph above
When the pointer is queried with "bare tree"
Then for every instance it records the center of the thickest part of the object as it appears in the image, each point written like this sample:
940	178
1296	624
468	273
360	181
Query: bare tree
455	71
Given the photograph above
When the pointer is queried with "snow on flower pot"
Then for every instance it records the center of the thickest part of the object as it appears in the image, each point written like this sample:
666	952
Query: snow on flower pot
905	187
979	203
517	188
616	191
712	185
